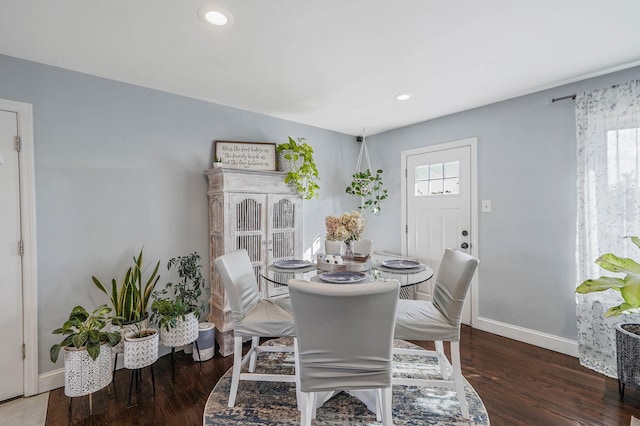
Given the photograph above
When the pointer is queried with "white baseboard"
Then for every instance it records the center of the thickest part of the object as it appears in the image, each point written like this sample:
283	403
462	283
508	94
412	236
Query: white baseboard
531	337
51	380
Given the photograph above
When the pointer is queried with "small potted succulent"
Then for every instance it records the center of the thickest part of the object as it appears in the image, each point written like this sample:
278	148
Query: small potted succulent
296	158
87	350
217	163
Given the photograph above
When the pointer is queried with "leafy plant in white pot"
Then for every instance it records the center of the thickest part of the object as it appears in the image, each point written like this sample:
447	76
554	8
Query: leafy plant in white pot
627	334
296	158
130	301
87	351
177	307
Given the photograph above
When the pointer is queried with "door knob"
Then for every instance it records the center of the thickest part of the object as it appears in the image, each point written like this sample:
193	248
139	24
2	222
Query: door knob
464	245
465	233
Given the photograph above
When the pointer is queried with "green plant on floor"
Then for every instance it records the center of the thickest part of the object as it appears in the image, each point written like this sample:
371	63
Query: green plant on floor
628	286
305	176
85	330
179	299
130	300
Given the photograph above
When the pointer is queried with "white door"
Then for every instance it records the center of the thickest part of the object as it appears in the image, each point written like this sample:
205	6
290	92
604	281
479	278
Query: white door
11	326
438	208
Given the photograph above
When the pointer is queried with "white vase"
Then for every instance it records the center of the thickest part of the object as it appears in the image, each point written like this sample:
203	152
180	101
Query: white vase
185	332
83	375
140	352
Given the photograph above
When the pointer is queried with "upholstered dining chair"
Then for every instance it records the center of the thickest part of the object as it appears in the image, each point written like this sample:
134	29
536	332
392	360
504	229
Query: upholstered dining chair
344	340
253	316
439	321
359	246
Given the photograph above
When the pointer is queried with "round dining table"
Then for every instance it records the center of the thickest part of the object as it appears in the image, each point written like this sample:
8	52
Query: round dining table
408	272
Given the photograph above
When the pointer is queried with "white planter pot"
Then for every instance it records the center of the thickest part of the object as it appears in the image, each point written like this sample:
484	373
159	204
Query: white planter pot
140	352
185	332
288	165
82	375
128	328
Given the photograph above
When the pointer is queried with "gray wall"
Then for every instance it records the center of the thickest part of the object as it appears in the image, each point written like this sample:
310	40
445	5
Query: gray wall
120	166
527	168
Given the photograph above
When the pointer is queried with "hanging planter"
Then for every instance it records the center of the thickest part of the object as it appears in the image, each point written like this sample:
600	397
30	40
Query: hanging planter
365	184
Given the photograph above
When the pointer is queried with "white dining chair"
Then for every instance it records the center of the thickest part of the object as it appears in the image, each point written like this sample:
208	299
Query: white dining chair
344	340
439	321
254	317
364	247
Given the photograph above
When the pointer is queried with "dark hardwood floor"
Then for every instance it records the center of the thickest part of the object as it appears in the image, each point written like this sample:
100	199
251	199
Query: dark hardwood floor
519	384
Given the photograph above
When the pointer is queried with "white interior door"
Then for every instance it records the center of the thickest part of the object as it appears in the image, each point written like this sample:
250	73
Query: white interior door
11	323
438	208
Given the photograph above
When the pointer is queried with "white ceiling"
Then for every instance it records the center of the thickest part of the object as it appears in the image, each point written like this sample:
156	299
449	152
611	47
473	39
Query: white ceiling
334	64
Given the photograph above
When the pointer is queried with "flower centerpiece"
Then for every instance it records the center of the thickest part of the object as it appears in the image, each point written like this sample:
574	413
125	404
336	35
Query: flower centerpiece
347	227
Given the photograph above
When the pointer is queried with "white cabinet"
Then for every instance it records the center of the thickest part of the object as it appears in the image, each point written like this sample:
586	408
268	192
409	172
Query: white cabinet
256	211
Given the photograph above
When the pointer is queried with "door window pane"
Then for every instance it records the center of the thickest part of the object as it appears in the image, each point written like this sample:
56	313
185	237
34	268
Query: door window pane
437	179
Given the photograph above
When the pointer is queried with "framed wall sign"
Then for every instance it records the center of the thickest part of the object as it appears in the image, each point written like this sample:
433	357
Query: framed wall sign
246	155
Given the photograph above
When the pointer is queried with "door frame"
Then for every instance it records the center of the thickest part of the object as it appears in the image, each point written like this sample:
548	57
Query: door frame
28	231
473	173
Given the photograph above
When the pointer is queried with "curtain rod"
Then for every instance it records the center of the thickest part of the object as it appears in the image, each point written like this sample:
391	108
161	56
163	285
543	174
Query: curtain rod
564	97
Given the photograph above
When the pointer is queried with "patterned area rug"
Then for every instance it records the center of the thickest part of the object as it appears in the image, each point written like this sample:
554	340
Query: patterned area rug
272	403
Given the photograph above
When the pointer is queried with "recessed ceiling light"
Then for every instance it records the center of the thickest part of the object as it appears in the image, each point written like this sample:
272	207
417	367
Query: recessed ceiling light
404	97
216	18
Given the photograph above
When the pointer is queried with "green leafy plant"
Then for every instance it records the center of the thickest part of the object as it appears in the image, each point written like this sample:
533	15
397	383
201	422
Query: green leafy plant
185	298
130	301
369	187
305	177
85	330
629	286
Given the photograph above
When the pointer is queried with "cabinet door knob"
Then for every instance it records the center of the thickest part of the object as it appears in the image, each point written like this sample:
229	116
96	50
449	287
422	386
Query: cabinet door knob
464	245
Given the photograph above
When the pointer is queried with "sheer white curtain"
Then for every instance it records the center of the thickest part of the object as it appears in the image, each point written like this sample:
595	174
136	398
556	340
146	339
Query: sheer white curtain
608	151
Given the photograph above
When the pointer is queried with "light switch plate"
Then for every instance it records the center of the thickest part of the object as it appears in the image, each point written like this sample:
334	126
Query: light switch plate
486	206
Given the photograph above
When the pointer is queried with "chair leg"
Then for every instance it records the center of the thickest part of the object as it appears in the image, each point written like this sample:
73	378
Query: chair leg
307	408
379	404
442	360
237	363
458	380
387	406
255	342
296	362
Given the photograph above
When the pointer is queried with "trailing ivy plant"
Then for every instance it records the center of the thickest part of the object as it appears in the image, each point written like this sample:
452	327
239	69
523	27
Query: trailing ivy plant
85	330
369	187
305	177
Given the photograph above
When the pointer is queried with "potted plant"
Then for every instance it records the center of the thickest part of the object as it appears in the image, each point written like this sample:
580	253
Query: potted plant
177	313
368	186
140	347
130	301
627	335
296	158
217	162
87	354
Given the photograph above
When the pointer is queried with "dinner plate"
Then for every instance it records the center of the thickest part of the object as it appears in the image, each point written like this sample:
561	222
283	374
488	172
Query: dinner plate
292	263
400	264
342	277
